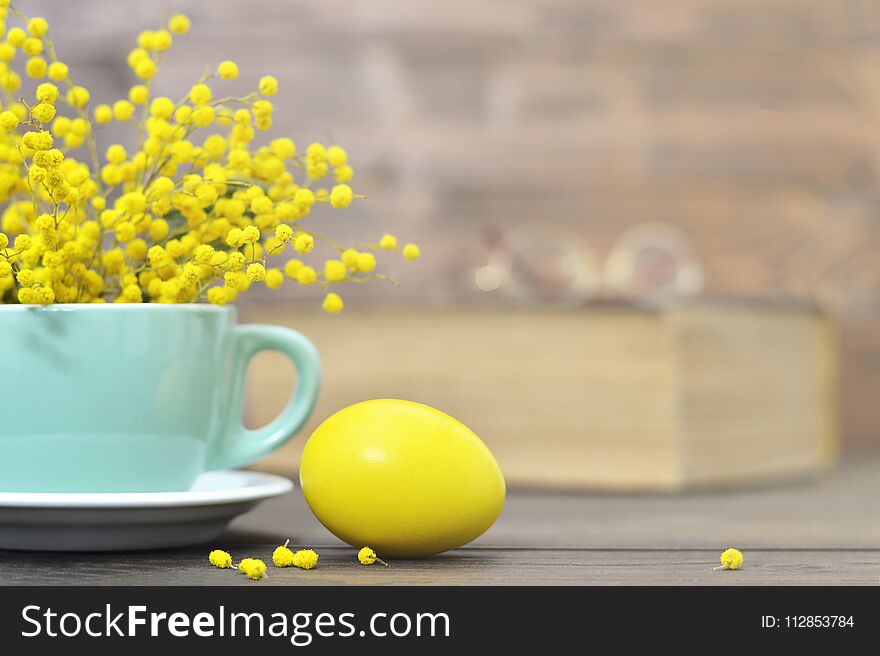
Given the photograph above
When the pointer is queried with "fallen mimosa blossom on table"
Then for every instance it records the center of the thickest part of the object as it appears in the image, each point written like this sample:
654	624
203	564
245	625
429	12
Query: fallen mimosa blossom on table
305	559
221	559
253	567
283	556
367	556
731	559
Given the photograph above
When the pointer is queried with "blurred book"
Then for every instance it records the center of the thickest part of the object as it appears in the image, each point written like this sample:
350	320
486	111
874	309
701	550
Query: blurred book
607	397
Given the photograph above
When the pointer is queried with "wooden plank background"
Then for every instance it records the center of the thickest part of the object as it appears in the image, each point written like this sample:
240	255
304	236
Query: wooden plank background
753	125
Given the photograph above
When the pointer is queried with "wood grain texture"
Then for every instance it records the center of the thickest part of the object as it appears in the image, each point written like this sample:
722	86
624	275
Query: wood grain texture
824	532
471	566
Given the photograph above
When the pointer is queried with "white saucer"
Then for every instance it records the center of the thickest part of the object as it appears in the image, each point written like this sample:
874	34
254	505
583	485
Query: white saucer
133	520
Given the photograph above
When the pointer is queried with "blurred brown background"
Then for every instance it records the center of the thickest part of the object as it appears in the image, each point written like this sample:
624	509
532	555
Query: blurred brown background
752	125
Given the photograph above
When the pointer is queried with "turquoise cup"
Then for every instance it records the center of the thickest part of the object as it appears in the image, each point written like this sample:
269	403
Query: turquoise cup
135	398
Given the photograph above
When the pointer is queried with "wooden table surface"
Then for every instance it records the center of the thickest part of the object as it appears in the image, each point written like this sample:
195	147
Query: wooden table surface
818	532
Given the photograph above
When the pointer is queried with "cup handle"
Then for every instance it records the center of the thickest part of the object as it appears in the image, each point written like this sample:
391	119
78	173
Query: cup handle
241	446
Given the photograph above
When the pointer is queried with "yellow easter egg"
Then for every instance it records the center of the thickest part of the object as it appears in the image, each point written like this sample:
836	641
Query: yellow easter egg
400	477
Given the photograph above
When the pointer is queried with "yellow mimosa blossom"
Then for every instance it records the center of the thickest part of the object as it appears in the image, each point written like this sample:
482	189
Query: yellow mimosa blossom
304	243
47	93
220	559
36	68
731	559
283	556
37	26
58	71
367	556
256	272
43	112
336	155
334	271
306	275
123	110
138	94
341	196
179	24
200	94
78	97
16	37
388	242
333	303
197	211
253	568
305	559
8	120
274	278
228	70
268	86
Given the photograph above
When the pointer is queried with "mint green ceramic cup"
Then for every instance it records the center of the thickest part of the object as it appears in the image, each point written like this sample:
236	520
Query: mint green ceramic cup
135	398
